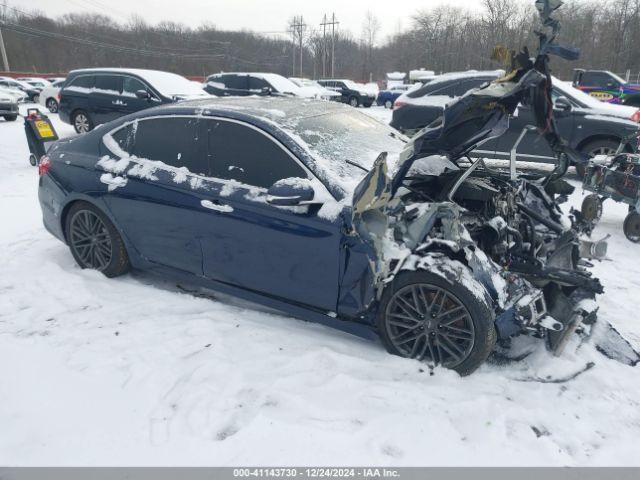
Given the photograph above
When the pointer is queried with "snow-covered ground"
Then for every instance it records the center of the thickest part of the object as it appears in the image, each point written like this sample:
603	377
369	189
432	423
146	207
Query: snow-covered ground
135	371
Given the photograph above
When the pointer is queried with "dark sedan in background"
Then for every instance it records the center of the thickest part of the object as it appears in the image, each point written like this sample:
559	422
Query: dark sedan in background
590	126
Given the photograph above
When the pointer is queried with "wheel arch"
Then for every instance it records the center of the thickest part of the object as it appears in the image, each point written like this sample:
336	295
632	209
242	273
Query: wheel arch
98	203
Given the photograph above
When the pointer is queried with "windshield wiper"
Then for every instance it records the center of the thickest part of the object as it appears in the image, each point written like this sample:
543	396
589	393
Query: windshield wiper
357	165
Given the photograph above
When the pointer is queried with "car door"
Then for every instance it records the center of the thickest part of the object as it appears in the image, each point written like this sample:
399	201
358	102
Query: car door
131	102
344	91
276	251
105	101
158	206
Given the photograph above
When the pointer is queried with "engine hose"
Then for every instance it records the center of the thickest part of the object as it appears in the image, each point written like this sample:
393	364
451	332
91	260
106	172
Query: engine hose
544	221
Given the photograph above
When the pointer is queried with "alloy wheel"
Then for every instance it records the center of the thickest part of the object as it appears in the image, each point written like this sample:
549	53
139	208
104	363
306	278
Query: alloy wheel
90	240
427	322
81	123
603	150
52	105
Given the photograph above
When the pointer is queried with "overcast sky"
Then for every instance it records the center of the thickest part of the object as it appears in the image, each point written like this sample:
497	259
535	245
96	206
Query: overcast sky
258	15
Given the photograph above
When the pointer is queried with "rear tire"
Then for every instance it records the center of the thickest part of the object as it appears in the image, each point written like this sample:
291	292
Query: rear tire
388	104
354	102
52	105
36	98
81	121
10	118
631	227
423	316
94	241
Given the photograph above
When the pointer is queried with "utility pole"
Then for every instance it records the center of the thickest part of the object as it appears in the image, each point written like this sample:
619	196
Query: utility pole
334	22
298	27
325	23
324	45
3	50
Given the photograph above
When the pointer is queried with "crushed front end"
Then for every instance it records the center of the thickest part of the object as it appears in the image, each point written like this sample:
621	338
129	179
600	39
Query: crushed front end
532	260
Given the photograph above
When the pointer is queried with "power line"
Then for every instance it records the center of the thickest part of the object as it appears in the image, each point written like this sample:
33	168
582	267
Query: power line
205	44
24	30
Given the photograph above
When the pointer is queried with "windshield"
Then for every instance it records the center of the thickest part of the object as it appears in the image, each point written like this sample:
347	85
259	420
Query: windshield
348	135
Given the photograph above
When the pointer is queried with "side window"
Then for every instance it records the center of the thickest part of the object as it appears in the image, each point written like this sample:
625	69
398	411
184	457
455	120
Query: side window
241	153
110	84
340	85
448	89
131	85
84	81
171	140
464	87
237	82
256	83
125	137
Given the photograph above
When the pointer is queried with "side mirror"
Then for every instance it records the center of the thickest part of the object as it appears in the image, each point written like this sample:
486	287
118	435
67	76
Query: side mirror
291	192
143	95
562	103
266	91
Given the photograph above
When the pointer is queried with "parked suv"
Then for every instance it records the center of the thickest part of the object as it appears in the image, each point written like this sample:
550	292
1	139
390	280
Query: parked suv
94	96
590	126
236	84
350	92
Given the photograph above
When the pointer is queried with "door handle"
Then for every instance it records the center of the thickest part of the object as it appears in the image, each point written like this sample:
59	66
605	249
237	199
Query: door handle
119	102
216	206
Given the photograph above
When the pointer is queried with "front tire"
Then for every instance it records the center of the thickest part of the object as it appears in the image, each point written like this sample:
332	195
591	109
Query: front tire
52	105
36	98
81	121
10	118
425	317
94	241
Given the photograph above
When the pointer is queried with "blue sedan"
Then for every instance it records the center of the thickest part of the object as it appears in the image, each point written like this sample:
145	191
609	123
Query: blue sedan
274	201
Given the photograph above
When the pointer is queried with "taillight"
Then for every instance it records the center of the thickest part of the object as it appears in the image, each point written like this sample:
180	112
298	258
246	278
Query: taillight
59	97
636	116
397	105
44	166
